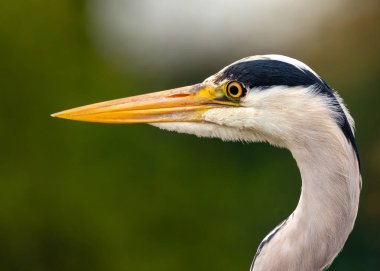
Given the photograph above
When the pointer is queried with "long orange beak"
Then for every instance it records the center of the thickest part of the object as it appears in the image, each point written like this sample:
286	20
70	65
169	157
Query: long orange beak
186	104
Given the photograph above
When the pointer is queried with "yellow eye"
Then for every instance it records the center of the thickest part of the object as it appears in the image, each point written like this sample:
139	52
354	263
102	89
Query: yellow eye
235	90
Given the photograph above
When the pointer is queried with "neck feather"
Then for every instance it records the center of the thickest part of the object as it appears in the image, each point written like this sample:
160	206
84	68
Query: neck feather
316	231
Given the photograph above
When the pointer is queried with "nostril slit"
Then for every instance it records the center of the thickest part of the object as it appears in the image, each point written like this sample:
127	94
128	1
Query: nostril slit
179	95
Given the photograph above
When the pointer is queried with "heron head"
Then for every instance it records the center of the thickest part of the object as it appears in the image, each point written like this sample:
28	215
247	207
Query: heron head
262	98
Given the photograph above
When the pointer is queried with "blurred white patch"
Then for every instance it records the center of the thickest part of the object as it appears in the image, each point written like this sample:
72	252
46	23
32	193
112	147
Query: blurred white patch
164	33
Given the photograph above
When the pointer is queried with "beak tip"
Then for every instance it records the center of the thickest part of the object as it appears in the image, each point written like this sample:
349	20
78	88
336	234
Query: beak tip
58	115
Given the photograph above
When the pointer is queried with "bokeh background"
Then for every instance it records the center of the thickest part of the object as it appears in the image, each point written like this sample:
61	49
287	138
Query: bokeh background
82	196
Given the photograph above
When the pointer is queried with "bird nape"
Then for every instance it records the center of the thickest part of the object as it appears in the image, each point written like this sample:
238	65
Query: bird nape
282	101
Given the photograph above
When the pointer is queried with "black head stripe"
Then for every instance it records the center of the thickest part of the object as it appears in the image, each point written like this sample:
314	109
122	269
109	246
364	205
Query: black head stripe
267	73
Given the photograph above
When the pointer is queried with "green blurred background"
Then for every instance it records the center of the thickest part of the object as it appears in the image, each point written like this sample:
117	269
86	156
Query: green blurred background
82	196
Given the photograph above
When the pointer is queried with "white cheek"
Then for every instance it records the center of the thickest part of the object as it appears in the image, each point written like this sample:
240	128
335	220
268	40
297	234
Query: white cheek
238	117
198	129
248	124
209	130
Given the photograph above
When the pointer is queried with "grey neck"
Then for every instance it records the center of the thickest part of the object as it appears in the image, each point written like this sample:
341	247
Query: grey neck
318	228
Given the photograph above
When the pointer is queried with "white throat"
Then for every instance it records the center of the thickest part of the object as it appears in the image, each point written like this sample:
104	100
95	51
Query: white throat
318	228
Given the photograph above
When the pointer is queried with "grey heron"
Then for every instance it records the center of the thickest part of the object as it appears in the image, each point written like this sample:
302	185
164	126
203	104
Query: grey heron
282	101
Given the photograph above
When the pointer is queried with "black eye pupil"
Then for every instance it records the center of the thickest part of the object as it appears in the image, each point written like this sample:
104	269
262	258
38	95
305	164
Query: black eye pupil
234	90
